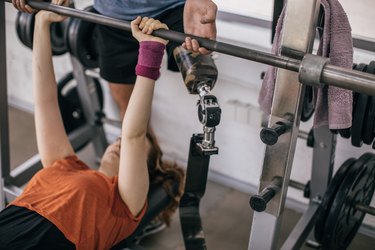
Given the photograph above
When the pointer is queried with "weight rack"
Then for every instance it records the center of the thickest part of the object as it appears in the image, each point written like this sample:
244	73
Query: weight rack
298	34
284	110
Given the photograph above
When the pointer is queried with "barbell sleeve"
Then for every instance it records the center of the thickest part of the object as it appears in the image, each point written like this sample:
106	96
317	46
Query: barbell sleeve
331	75
365	209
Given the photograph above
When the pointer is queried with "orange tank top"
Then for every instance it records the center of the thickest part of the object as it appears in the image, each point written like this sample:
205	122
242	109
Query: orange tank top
83	203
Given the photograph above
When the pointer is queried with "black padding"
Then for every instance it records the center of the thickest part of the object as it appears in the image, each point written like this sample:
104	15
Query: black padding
359	113
82	39
369	122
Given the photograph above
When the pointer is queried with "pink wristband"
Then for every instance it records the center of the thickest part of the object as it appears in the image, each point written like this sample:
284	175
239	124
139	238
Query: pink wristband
149	59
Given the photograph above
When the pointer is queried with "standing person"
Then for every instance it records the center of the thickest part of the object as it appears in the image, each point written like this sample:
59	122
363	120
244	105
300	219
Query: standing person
67	205
118	50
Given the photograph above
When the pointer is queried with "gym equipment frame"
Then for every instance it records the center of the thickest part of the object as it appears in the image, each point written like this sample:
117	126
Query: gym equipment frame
299	30
298	35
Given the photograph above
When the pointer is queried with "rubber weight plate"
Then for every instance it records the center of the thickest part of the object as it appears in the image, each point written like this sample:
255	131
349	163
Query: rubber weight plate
329	196
81	40
25	31
359	113
25	28
308	106
344	220
58	38
69	102
369	122
347	132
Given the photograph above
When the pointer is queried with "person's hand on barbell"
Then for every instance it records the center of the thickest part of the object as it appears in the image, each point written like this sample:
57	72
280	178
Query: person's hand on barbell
22	5
199	20
50	16
142	29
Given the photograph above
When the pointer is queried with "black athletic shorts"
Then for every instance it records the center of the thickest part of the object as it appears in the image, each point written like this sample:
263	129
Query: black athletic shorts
118	50
22	229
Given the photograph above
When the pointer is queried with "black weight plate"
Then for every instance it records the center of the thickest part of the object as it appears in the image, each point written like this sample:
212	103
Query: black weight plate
70	106
369	123
345	133
25	31
18	25
81	37
69	102
23	26
343	220
329	196
29	29
308	106
359	113
58	40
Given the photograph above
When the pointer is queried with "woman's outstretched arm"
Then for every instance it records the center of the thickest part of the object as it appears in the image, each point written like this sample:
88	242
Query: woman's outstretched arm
53	143
133	172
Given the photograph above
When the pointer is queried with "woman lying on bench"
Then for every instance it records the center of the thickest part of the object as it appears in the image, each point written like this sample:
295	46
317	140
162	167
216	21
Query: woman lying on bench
67	205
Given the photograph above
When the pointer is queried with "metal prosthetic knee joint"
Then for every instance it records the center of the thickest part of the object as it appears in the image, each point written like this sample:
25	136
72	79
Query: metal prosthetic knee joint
199	73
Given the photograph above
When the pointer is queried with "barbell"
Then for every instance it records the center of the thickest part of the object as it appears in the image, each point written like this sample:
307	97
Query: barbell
327	74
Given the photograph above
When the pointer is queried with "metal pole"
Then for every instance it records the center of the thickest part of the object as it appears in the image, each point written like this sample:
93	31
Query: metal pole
4	127
340	77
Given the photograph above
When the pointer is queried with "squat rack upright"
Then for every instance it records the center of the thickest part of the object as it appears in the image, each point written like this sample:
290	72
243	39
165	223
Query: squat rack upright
287	85
299	29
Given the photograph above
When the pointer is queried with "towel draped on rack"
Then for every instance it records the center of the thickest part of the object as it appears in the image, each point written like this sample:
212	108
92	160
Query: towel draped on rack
333	105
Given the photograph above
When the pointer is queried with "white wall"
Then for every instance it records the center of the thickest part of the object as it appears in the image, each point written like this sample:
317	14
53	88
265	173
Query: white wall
174	112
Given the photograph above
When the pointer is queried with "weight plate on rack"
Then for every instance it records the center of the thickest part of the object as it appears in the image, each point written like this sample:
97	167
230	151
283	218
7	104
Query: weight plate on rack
344	220
308	106
329	195
69	102
369	122
359	113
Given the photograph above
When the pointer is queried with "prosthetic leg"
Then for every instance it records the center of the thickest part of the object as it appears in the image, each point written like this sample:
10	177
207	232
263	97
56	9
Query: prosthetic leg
199	73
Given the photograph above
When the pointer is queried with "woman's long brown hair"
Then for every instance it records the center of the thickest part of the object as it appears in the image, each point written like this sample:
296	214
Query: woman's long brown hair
167	174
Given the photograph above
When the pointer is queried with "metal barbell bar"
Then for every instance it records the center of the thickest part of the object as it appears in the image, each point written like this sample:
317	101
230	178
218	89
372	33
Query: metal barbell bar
331	75
365	209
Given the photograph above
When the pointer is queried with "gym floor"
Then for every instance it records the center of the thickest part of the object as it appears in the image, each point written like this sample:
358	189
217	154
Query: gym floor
225	212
